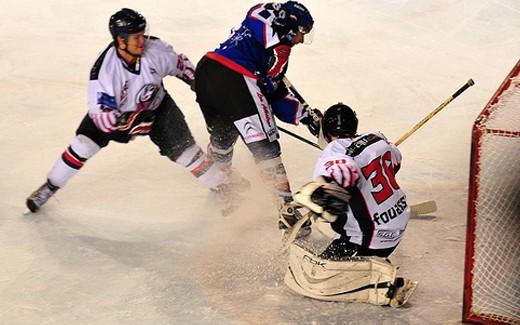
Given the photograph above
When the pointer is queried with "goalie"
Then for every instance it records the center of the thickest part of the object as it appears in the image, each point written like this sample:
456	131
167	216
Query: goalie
356	192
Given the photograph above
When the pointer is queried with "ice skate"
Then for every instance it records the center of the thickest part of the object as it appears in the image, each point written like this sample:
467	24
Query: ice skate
226	197
40	196
288	216
238	182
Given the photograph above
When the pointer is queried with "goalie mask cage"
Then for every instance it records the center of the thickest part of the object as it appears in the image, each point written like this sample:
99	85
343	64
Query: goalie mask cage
492	263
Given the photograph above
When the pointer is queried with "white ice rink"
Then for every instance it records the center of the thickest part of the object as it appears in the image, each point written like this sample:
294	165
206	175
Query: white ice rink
133	239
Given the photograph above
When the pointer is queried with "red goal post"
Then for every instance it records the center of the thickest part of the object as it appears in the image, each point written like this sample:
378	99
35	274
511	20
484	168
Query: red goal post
492	263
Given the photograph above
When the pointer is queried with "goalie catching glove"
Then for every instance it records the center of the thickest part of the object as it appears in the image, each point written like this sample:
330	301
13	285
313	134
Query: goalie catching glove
324	197
136	123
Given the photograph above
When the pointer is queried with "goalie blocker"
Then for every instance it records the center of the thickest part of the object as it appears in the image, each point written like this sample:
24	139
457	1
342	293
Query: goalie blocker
357	279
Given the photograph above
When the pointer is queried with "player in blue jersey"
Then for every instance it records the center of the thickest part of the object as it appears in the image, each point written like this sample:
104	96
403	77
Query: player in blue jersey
239	89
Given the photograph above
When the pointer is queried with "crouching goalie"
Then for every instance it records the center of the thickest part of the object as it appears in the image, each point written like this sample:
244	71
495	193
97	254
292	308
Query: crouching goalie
356	192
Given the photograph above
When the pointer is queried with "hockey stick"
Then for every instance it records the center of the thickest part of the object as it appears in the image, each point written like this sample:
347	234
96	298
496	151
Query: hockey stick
424	207
306	106
468	84
299	137
295	229
421	208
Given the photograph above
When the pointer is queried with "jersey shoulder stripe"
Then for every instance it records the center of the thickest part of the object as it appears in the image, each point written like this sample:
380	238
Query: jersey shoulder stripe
360	144
94	72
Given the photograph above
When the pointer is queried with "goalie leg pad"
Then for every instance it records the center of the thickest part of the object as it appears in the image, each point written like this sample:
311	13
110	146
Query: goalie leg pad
358	279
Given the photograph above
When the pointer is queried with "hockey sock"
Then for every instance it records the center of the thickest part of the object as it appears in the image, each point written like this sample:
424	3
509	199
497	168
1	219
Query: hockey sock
273	172
202	167
72	160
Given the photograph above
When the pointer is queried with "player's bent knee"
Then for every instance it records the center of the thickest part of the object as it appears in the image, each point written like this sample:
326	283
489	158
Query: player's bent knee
264	150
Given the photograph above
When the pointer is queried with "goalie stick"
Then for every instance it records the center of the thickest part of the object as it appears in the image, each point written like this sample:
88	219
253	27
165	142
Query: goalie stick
468	84
420	208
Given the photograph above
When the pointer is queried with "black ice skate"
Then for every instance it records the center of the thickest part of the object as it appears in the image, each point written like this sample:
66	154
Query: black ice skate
40	196
288	217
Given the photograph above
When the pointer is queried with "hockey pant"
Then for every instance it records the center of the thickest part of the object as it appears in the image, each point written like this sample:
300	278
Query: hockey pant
169	132
233	105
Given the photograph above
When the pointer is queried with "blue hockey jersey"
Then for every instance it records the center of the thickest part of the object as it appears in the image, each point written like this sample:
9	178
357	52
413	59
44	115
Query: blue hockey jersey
256	50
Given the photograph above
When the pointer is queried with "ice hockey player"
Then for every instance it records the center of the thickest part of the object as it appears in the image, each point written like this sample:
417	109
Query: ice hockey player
239	87
354	189
126	98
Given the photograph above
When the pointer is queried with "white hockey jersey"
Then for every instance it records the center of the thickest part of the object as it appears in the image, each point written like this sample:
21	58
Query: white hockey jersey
366	165
115	87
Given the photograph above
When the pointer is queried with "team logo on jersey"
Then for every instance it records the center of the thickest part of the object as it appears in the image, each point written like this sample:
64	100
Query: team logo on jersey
146	96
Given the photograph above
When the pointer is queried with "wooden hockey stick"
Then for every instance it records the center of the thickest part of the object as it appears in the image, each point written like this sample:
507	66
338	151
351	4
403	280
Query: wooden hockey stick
424	207
306	106
468	84
421	208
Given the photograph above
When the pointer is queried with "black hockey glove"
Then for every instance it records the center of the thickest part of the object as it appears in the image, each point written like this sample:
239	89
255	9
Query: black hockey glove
136	123
313	125
266	84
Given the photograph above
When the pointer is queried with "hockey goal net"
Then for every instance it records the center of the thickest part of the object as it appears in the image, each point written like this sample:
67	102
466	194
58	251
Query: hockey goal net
492	265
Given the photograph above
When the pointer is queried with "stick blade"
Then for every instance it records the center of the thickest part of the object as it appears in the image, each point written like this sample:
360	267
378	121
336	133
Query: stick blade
424	207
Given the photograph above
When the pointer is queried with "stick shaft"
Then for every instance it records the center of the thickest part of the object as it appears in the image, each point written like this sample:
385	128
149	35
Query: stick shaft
295	92
435	111
299	137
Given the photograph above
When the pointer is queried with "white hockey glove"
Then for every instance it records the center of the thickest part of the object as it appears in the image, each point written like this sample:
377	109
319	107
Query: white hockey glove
324	197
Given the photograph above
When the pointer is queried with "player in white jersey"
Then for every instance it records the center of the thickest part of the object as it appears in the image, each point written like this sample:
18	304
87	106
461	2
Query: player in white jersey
126	98
355	188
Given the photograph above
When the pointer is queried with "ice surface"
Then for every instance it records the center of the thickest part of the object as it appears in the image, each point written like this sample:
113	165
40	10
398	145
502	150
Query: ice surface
133	238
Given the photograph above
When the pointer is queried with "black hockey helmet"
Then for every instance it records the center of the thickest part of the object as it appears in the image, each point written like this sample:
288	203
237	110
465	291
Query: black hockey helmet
295	17
339	121
126	21
298	17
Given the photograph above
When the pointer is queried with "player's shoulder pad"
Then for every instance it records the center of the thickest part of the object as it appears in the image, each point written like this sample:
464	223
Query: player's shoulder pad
362	141
96	68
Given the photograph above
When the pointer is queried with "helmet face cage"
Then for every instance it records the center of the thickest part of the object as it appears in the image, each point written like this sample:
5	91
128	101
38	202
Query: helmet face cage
124	22
339	121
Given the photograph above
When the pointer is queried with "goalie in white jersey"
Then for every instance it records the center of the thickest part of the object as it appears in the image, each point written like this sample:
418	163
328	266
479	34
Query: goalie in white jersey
354	189
126	98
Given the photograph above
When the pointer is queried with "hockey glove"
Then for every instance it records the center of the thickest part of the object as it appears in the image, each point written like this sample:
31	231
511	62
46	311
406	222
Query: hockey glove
324	197
312	124
266	84
136	123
